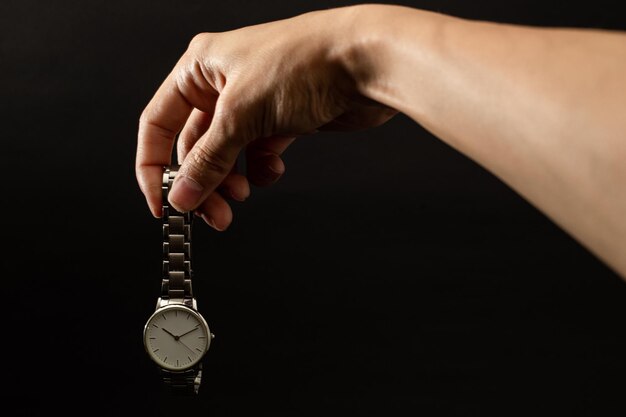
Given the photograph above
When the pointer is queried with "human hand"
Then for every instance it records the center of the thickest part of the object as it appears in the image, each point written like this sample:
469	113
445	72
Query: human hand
255	88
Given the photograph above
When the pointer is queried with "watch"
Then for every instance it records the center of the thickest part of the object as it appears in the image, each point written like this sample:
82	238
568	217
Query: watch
176	336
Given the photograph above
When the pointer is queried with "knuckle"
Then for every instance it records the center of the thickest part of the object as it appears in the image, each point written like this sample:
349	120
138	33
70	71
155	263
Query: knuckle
146	122
143	117
206	159
198	41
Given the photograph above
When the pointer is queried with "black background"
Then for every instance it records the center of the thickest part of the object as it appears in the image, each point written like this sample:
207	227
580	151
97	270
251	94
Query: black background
386	273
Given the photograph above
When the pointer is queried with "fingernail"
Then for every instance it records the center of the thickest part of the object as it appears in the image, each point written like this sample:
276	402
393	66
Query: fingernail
209	221
185	193
239	198
277	170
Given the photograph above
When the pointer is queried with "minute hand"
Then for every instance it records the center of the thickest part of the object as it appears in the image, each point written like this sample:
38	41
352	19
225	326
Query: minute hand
170	333
195	328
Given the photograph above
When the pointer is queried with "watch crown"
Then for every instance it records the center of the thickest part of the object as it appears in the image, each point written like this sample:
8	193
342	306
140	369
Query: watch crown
212	336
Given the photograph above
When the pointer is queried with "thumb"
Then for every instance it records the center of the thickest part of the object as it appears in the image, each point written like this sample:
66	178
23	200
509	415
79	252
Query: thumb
206	165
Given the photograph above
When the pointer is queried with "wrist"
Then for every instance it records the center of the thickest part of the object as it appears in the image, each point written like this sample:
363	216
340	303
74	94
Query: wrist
384	47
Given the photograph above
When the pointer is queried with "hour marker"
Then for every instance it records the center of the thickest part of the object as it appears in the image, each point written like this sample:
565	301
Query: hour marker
201	337
175	313
155	350
176	362
199	350
152	338
163	315
165	360
154	325
189	357
188	315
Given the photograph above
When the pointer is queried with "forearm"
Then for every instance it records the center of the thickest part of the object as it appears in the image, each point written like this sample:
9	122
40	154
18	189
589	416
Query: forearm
543	109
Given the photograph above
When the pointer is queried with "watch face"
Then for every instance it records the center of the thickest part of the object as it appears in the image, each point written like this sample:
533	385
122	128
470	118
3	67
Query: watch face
176	337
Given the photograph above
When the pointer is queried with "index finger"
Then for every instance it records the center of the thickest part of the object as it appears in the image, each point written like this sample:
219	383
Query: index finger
160	122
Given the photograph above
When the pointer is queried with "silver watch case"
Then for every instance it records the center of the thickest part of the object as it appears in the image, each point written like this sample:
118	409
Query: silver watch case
188	305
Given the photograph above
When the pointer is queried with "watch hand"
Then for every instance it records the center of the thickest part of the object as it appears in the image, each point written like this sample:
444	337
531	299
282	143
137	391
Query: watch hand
170	333
177	338
195	328
181	342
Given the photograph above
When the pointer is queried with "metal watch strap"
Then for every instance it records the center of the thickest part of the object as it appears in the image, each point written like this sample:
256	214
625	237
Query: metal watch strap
176	282
183	382
177	274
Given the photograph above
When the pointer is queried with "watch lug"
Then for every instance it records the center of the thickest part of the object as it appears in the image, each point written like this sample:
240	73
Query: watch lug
189	302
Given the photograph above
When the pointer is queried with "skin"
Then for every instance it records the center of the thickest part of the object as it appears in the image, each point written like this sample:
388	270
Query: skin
541	108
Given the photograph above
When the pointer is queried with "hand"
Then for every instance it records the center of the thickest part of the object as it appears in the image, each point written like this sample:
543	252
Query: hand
255	88
195	328
170	333
187	347
177	338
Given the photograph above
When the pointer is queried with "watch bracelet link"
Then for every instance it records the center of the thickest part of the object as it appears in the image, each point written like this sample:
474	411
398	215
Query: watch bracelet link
177	274
183	382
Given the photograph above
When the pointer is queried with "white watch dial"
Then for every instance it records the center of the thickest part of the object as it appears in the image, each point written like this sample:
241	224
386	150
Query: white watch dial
176	337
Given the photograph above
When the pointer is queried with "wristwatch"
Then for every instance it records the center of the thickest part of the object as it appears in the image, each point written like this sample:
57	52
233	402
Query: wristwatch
176	336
